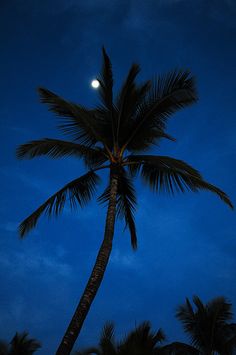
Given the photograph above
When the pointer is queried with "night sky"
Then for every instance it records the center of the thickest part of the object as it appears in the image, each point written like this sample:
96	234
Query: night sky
186	243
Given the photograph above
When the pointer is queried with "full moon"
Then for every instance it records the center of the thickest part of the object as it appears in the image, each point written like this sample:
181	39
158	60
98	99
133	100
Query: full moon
95	84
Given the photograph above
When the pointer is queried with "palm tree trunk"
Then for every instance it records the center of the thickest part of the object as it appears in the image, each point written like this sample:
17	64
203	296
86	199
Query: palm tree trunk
96	277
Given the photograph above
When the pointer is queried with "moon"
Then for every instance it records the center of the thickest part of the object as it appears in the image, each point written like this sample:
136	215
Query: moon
95	84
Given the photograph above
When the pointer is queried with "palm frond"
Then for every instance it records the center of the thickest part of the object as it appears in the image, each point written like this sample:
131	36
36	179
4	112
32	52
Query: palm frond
128	87
207	324
105	117
107	332
199	304
172	175
126	203
56	148
169	93
107	341
106	93
195	325
220	310
186	315
126	101
141	341
159	336
22	344
151	136
106	81
78	191
79	122
226	339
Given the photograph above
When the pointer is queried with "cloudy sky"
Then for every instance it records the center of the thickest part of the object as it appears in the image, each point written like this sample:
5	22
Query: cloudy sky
187	242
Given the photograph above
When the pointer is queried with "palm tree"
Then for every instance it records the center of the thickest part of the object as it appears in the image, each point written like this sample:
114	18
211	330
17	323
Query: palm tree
109	137
107	344
20	345
208	327
140	341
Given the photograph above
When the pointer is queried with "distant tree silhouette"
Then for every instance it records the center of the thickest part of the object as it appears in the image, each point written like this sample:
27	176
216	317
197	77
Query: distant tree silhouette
140	341
107	344
207	326
20	344
114	136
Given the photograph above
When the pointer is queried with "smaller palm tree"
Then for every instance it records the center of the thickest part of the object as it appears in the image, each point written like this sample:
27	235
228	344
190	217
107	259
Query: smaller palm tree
140	341
107	344
20	344
208	327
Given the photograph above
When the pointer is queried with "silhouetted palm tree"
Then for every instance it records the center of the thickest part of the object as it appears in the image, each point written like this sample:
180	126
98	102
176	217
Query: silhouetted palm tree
107	344
109	137
208	327
140	341
20	344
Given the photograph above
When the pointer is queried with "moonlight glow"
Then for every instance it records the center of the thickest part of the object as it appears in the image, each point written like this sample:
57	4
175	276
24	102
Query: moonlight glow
95	84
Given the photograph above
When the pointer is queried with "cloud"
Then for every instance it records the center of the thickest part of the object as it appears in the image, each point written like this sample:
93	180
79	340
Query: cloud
33	262
10	226
121	260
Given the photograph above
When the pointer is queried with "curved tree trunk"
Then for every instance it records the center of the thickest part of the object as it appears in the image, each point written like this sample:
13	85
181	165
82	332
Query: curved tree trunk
96	277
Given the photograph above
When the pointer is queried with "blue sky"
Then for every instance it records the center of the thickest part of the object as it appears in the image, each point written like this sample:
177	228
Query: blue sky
187	242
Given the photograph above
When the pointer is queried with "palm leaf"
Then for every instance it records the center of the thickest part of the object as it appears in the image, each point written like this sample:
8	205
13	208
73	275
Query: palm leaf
78	191
207	324
127	101
127	89
170	175
226	339
141	341
195	323
169	93
21	344
186	315
79	122
126	203
106	81
103	116
56	148
107	342
220	307
106	92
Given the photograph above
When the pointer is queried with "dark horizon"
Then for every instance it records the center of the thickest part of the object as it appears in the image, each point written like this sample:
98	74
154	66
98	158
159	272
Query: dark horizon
186	243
